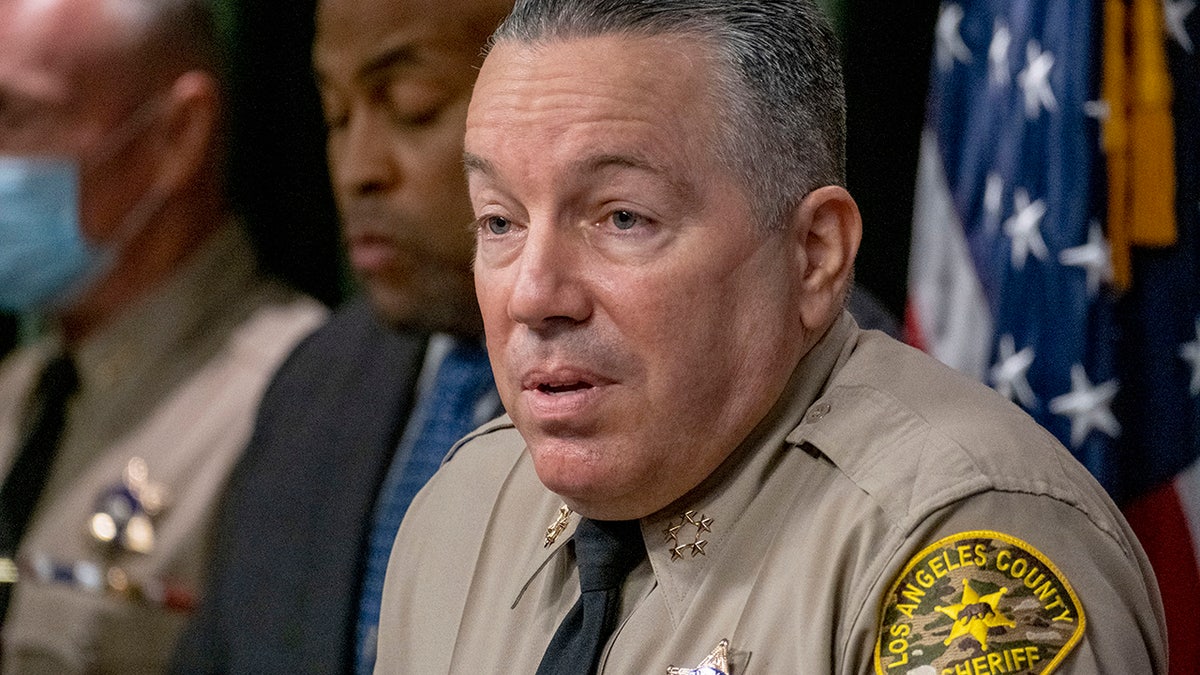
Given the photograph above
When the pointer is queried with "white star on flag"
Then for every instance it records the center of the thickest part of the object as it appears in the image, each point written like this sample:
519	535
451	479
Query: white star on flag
1035	80
1176	13
1093	257
998	67
1098	110
1024	228
1089	407
993	200
1009	373
950	45
1190	352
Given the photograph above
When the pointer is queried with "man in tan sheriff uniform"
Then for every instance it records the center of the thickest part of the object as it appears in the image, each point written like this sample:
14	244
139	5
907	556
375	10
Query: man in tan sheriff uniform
663	252
110	113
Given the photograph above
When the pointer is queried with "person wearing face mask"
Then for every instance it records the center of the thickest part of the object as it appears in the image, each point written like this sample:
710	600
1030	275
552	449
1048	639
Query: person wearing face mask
121	420
47	261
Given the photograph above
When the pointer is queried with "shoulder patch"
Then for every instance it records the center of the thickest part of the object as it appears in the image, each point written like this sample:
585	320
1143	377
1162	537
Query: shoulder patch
978	603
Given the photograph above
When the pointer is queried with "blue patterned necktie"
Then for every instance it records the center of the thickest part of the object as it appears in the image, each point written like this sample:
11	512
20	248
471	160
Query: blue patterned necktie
605	552
446	413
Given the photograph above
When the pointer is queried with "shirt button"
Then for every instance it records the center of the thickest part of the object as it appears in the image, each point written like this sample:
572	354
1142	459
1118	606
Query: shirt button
817	412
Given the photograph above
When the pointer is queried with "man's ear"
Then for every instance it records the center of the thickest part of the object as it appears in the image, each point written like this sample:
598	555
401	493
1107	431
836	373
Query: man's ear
829	230
189	126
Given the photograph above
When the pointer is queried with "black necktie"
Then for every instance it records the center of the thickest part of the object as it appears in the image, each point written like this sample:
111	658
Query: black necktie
27	476
606	551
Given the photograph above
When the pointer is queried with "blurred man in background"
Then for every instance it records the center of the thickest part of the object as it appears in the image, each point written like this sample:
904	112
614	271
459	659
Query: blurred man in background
119	426
364	410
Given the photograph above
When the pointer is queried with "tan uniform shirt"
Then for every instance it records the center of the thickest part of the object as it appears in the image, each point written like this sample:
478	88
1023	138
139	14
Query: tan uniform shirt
175	383
792	549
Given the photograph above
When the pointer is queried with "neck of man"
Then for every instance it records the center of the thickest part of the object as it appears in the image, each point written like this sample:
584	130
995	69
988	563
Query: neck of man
172	236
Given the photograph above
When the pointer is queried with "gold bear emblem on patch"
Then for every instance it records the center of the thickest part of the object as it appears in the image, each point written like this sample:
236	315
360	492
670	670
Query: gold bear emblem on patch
978	603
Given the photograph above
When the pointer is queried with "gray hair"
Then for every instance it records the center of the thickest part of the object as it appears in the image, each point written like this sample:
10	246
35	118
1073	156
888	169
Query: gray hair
779	80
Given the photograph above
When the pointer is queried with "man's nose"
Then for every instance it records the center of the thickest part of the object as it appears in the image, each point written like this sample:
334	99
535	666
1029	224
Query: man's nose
549	288
363	157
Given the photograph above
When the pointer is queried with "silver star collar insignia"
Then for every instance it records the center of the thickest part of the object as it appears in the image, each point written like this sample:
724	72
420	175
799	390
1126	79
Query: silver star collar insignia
688	520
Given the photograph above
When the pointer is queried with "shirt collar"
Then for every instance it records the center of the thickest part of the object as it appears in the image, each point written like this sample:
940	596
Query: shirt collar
691	532
141	339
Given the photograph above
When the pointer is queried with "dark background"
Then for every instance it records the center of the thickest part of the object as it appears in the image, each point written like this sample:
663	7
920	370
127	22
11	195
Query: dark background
278	178
888	46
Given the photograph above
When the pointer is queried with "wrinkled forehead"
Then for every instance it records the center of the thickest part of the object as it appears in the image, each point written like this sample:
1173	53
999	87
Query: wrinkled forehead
567	114
617	79
661	69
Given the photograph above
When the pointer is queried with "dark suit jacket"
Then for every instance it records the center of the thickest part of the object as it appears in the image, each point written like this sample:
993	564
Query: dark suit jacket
283	596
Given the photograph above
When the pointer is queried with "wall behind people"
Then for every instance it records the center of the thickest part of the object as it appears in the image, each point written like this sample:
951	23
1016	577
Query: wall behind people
886	54
277	174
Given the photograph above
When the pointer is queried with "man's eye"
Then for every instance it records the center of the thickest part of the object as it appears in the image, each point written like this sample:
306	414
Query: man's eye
496	225
417	118
625	220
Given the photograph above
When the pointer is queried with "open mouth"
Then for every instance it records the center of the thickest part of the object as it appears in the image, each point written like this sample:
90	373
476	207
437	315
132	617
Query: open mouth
563	388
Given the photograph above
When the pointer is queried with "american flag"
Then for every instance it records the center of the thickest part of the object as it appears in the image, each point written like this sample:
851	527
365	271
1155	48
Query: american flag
1056	245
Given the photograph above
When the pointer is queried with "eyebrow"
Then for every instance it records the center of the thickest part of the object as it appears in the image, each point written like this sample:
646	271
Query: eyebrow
599	163
474	164
405	54
399	55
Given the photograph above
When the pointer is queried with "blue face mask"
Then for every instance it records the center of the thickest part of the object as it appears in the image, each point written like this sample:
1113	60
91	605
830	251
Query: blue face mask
44	258
45	262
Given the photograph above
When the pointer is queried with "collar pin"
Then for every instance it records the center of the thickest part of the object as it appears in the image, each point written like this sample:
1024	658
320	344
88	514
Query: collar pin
560	523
